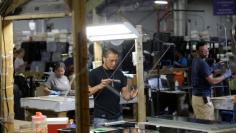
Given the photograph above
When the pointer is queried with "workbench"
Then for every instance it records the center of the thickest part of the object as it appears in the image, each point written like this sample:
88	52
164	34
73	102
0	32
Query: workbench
56	105
158	101
176	122
222	103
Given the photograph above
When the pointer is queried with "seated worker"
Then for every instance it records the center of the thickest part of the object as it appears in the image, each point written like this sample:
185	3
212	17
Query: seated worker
107	83
181	60
57	83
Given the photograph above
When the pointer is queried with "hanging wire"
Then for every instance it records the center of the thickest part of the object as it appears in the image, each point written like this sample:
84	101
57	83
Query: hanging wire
158	61
123	60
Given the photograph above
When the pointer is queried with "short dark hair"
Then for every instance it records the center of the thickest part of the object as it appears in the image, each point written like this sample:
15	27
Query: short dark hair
180	51
200	43
58	65
106	51
20	51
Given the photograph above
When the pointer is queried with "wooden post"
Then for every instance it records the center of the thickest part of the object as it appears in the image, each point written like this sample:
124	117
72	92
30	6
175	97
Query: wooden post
97	51
6	93
139	73
97	48
80	59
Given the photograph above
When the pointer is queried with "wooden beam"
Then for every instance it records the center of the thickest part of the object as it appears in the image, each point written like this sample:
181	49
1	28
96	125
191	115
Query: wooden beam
90	5
80	59
139	73
6	52
37	16
14	4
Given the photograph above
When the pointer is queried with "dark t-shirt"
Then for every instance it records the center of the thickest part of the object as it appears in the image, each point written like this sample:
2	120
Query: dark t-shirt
200	70
107	100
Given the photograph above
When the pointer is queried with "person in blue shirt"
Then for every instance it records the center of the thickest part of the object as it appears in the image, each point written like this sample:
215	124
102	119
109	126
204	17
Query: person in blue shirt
201	81
181	60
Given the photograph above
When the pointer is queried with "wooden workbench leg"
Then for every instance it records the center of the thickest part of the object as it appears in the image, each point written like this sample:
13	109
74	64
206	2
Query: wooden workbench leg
28	114
217	115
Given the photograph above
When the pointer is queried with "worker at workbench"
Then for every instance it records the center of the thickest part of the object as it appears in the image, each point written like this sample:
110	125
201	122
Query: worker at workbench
181	60
202	79
57	83
106	83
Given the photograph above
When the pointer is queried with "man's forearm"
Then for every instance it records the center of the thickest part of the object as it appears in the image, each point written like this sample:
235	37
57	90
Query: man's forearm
215	80
94	89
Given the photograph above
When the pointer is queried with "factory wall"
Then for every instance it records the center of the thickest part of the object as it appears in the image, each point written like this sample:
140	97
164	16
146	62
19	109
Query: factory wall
195	21
206	21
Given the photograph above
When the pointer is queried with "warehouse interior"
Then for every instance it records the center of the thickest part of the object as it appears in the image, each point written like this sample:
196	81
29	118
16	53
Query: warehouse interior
118	66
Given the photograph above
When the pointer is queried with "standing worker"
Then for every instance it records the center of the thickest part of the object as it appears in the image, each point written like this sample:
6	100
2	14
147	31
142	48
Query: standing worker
19	63
106	83
202	79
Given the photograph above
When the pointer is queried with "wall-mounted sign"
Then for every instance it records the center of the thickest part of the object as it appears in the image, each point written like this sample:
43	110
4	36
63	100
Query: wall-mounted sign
224	7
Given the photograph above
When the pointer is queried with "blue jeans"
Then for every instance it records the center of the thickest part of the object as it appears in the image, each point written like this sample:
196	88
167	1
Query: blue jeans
99	122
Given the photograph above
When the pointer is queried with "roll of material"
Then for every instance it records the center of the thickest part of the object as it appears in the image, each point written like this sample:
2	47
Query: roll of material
114	123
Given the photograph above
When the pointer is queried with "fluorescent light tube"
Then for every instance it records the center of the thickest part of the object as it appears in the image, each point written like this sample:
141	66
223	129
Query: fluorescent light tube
161	2
111	32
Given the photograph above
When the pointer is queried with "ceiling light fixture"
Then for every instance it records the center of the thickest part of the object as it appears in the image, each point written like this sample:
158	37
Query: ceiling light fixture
161	2
111	32
32	25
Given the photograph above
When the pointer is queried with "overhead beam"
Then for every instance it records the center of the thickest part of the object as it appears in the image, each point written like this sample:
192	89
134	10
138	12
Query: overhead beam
90	5
37	16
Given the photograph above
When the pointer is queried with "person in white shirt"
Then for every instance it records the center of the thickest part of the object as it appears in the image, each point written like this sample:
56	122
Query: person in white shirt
57	83
19	63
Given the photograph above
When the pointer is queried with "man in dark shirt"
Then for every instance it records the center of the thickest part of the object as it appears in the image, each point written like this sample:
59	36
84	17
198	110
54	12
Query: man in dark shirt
202	79
106	83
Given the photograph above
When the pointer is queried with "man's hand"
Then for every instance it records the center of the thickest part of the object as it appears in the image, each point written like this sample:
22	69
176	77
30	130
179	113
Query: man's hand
176	63
227	73
133	93
104	83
